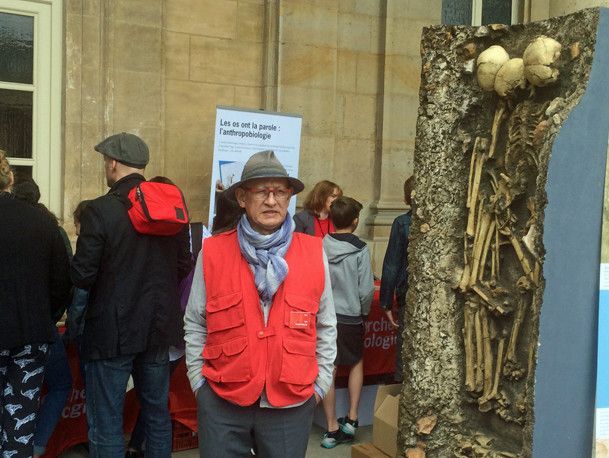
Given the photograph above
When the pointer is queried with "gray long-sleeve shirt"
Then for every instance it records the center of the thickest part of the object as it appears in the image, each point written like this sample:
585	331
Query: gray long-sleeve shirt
195	328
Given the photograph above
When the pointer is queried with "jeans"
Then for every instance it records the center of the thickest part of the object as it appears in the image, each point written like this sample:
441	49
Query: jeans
106	382
59	384
136	442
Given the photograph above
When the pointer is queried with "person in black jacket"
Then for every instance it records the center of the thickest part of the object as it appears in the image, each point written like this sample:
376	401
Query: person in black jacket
57	375
34	285
133	313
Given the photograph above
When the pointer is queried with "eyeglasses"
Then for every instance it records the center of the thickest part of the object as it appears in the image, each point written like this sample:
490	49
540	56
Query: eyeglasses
261	193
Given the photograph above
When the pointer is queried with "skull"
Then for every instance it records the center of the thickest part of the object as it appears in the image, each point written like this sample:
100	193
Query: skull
539	61
509	77
488	64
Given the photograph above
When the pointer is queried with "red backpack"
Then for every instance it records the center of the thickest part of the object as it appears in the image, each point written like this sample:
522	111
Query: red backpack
157	208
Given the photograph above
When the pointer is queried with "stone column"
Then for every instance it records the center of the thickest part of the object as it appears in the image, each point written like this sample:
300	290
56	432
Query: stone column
83	110
400	100
270	68
306	80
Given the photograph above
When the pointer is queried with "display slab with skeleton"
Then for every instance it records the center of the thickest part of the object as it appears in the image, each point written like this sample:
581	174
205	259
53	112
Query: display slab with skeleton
476	270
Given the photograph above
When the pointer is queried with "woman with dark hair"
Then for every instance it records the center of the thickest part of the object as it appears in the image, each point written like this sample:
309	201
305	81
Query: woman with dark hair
228	213
315	218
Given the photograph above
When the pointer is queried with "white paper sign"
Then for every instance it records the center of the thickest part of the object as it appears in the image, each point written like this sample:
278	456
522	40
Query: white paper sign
604	277
241	133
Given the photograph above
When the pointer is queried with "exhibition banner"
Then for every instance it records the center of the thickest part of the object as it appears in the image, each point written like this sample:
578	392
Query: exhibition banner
602	368
241	133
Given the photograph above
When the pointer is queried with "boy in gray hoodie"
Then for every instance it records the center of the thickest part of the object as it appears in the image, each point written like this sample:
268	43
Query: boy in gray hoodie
352	290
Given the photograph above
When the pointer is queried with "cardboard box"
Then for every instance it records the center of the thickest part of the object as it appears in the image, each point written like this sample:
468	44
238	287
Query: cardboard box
385	423
366	450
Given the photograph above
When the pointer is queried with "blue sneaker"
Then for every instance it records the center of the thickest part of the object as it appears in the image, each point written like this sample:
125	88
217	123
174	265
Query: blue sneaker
332	438
348	426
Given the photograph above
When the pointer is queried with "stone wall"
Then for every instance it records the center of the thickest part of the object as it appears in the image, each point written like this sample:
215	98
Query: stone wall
561	7
159	68
213	55
113	82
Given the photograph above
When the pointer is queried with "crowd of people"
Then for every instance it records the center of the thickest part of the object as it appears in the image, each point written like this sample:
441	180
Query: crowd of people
263	314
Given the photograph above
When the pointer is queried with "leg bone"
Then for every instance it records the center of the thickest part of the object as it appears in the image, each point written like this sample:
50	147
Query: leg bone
469	318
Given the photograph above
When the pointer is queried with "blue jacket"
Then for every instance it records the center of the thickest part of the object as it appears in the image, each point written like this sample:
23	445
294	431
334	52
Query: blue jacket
394	282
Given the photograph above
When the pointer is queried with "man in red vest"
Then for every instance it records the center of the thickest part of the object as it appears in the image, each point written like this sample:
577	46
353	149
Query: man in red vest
260	324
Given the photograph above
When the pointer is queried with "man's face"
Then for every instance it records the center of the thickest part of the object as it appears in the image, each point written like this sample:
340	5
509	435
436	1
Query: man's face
265	201
109	169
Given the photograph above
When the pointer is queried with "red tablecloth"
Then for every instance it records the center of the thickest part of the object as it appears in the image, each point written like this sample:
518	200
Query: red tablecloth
379	358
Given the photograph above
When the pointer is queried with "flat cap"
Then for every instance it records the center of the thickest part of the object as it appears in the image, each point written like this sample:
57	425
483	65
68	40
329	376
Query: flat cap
126	148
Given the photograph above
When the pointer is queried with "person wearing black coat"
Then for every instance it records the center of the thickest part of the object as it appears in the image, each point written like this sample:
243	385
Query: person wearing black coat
133	313
34	285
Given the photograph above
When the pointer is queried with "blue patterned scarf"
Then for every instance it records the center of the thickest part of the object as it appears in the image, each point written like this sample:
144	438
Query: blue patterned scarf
265	253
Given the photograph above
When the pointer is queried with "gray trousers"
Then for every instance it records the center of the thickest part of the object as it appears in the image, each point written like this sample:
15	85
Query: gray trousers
228	430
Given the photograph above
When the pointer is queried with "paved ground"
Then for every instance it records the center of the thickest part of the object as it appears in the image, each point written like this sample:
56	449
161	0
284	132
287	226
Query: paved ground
364	434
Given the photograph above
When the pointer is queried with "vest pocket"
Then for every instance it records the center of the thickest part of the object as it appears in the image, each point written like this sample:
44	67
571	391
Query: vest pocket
227	362
302	302
299	314
298	364
224	312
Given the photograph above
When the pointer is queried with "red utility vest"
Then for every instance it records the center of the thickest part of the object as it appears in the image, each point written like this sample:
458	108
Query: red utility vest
242	355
